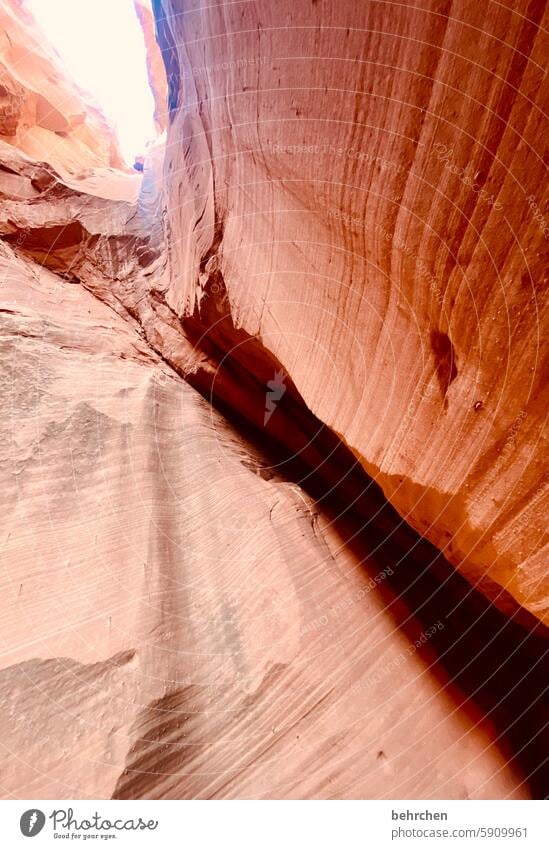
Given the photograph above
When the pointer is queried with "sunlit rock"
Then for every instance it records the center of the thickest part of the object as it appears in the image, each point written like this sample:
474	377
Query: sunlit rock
321	300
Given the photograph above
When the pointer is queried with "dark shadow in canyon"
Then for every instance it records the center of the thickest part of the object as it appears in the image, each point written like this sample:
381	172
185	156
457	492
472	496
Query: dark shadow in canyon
497	664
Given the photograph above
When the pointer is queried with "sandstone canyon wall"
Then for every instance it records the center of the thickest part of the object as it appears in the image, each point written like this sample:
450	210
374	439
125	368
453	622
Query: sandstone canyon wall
366	177
202	600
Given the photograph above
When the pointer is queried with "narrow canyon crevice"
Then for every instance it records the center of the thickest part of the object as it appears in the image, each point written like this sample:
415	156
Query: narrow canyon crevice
419	585
274	422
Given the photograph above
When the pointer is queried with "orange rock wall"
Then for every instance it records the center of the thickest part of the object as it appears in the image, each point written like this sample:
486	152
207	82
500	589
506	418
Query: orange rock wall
371	179
199	605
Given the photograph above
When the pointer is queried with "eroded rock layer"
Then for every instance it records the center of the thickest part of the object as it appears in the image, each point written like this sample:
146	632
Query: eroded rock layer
179	620
370	181
207	371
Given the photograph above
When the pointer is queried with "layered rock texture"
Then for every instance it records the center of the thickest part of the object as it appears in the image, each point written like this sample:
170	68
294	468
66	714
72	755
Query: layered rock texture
274	460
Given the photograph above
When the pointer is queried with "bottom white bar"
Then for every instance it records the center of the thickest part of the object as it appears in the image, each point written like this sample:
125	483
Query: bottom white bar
276	825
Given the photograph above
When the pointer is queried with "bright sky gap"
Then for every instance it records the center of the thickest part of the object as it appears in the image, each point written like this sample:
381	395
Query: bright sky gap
102	47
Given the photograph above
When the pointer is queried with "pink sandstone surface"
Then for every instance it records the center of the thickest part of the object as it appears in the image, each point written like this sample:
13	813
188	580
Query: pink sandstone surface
274	458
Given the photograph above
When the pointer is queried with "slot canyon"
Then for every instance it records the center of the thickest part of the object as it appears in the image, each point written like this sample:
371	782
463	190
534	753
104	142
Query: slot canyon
274	445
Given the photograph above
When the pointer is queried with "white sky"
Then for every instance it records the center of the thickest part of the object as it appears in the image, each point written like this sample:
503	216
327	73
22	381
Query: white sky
102	46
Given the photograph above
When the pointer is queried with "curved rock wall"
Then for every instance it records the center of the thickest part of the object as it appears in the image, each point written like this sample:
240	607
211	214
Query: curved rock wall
180	621
370	180
208	606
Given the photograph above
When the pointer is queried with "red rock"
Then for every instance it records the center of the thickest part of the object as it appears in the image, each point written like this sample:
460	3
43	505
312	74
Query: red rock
206	595
365	177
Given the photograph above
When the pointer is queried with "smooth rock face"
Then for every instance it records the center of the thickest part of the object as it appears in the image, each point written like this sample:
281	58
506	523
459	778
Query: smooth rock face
178	625
370	179
198	605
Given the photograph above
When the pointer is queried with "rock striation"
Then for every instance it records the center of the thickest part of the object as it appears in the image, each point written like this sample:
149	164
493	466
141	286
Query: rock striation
262	400
370	181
